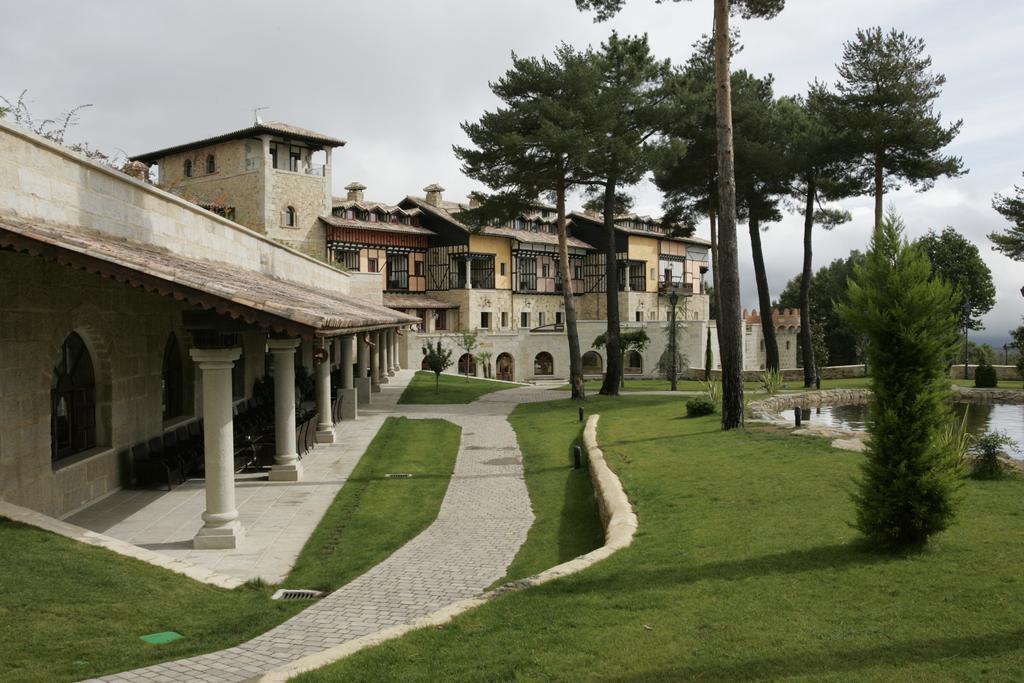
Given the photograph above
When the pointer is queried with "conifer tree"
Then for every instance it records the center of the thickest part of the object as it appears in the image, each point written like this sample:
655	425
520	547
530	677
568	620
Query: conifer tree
630	106
1010	243
884	109
730	328
535	144
906	491
820	173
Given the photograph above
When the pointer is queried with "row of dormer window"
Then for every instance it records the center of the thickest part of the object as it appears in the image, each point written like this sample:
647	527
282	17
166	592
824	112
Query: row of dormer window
375	217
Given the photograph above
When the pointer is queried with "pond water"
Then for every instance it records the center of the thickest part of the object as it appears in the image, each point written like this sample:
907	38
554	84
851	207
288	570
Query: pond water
981	418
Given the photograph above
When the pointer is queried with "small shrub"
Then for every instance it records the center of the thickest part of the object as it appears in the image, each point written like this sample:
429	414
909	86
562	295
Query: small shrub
956	441
696	407
771	381
713	391
986	452
985	376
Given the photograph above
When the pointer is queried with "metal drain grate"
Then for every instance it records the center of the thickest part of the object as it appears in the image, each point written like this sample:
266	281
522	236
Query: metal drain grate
296	594
398	475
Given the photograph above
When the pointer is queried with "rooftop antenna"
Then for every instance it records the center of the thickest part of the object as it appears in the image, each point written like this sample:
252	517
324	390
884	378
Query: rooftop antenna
256	114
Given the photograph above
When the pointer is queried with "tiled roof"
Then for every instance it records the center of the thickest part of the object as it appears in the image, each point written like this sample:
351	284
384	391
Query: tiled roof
229	289
448	211
271	128
379	226
403	300
598	220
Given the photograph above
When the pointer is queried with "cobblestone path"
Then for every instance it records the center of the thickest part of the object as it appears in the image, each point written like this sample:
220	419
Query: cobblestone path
483	521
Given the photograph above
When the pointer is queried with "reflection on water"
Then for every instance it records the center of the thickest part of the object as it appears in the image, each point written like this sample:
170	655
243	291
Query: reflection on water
981	418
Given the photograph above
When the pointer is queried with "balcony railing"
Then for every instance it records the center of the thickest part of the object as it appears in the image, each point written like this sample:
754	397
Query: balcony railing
684	288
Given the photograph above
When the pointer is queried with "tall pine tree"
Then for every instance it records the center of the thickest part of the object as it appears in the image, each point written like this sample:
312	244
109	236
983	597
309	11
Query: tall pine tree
730	327
884	109
631	106
1010	243
535	144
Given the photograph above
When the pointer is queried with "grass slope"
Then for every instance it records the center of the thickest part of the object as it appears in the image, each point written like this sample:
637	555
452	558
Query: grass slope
450	389
373	516
744	567
566	521
70	611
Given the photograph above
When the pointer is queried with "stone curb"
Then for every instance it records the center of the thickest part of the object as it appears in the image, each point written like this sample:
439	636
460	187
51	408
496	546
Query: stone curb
620	524
77	533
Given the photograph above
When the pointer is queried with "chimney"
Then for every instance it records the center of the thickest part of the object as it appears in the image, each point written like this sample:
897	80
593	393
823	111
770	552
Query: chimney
355	191
474	200
137	169
433	194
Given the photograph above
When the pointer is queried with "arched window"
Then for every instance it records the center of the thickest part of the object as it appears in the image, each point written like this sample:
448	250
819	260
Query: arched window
543	364
592	363
634	363
172	380
211	164
288	217
188	168
73	400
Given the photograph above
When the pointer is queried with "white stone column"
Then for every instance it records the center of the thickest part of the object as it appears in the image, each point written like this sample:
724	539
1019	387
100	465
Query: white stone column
221	528
363	380
347	391
374	362
382	357
469	273
395	350
325	417
286	461
389	342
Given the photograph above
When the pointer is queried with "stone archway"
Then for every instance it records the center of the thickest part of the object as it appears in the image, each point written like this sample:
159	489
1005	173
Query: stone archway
467	365
505	366
593	364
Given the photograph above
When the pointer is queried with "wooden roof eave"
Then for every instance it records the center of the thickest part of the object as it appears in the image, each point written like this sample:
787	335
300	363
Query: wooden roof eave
177	291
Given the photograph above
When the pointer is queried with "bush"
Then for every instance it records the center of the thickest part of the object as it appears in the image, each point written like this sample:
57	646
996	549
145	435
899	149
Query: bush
696	407
985	376
771	381
986	453
910	474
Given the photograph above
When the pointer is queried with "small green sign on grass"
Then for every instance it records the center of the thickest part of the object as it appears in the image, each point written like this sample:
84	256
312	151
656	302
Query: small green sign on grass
161	638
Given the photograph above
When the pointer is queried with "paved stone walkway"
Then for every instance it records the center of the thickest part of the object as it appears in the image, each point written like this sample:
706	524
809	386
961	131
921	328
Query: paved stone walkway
483	521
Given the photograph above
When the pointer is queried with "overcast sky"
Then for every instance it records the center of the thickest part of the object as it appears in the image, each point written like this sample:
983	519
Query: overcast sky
395	78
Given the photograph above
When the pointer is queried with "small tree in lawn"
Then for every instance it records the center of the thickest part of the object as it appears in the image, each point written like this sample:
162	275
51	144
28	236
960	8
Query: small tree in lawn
438	359
906	492
468	342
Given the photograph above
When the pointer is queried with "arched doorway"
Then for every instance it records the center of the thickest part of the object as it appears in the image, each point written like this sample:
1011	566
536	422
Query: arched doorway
543	364
424	365
467	365
634	363
72	400
593	364
504	366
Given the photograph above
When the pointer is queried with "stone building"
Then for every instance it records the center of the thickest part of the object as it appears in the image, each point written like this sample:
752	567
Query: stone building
131	317
274	178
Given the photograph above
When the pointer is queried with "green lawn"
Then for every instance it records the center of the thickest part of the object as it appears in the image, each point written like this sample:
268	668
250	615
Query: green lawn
744	567
566	522
70	611
450	389
373	516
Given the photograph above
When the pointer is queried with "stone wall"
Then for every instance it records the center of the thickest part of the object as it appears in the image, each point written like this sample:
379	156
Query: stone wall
236	182
126	331
1007	373
306	193
40	180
